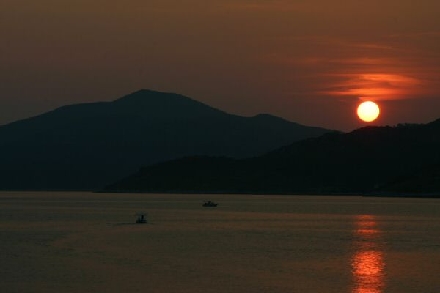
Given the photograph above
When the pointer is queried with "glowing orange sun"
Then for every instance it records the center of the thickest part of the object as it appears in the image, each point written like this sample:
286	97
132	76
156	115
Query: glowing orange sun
368	111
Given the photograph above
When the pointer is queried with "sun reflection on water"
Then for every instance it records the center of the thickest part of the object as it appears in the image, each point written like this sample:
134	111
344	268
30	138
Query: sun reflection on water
368	265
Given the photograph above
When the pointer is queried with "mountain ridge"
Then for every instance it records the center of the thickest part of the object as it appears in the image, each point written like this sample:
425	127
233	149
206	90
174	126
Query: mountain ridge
87	146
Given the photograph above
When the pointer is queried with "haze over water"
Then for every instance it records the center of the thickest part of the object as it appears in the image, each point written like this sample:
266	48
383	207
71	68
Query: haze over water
84	242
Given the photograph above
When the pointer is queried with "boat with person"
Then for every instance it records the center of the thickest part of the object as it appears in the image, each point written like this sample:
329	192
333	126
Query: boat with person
141	219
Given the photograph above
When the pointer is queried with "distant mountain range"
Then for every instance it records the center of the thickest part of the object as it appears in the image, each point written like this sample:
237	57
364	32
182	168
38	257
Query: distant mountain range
87	146
401	159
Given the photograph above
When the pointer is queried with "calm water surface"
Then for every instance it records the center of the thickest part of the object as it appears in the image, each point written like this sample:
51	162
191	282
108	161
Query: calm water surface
84	242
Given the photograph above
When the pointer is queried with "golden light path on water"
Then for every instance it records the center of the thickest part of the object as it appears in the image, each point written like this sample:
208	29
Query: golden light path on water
368	265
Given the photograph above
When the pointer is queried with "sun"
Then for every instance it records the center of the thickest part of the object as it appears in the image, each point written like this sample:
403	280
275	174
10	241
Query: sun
368	111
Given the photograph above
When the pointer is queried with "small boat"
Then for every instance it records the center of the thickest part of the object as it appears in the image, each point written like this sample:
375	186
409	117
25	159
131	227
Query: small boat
141	219
209	204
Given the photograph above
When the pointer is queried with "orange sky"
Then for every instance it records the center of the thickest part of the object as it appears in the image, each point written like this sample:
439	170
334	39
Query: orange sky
307	61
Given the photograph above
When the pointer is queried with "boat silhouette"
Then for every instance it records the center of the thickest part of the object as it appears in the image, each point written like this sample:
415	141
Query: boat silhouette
209	204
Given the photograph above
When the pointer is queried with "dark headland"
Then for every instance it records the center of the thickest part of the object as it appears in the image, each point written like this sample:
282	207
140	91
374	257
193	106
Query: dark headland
403	160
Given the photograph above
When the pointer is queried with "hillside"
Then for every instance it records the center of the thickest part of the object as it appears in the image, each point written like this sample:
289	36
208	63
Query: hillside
86	146
365	160
425	180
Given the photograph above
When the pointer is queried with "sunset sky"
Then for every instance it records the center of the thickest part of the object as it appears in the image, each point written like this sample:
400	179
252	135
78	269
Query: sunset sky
308	61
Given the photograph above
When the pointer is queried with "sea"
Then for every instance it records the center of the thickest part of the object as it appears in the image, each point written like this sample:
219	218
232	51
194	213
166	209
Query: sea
89	242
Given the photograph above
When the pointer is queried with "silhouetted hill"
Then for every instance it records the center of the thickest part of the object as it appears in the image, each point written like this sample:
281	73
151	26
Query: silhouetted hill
364	160
87	146
425	180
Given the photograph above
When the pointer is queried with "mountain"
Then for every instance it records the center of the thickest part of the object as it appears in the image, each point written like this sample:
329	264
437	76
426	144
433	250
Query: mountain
87	146
366	160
